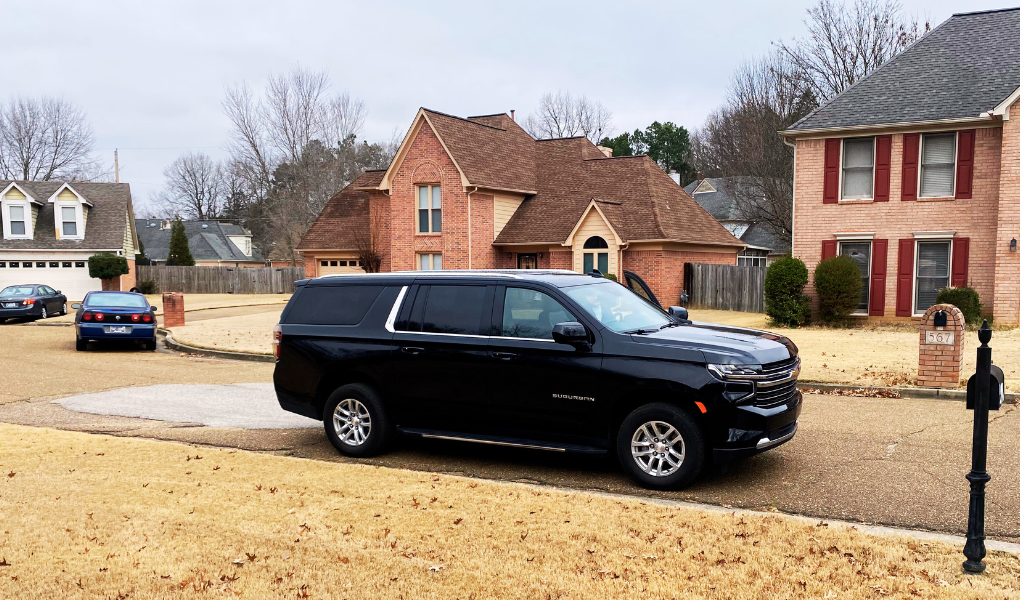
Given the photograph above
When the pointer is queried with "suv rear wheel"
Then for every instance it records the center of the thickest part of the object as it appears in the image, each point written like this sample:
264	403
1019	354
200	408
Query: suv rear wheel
661	446
355	421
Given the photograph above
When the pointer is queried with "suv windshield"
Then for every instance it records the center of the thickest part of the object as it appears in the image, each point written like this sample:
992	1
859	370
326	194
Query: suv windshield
16	290
618	308
117	300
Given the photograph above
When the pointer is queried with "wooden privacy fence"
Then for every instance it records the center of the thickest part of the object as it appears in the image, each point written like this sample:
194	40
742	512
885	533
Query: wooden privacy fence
221	280
725	287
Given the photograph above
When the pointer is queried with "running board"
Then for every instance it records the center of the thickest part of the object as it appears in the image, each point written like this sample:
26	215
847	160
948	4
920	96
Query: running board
502	441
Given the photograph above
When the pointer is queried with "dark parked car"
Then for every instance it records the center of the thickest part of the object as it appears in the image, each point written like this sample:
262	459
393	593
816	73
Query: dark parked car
550	360
31	300
105	316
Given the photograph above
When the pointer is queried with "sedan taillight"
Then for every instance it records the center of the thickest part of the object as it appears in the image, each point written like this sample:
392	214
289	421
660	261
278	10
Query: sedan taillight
99	316
277	338
86	316
147	318
135	318
27	302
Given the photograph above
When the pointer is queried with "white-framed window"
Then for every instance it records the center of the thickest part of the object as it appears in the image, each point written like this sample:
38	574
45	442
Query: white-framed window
752	257
938	165
932	269
858	170
430	209
68	222
860	252
17	220
430	262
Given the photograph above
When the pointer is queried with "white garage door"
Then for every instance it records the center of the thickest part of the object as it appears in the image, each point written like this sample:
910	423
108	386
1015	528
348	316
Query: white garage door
70	277
332	266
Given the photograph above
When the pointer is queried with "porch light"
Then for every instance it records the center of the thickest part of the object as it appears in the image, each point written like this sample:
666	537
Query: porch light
1012	245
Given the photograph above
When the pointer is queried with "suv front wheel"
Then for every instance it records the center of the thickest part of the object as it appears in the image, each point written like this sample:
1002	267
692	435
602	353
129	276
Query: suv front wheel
661	446
355	421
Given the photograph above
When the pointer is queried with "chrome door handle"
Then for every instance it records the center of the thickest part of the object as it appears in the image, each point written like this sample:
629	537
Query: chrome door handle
504	355
412	350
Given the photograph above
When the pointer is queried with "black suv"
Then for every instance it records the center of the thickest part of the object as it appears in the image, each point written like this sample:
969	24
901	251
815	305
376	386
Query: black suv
552	360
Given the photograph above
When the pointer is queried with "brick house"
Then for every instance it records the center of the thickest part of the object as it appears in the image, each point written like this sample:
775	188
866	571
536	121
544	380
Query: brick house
481	193
914	172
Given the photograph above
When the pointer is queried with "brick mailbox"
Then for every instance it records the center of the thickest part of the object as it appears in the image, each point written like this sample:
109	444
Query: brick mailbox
942	333
173	309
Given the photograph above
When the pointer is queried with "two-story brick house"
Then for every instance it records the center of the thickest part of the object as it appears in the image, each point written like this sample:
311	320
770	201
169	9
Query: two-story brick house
915	171
481	193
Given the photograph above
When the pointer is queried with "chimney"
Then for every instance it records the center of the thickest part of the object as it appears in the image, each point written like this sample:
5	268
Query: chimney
512	115
607	151
675	177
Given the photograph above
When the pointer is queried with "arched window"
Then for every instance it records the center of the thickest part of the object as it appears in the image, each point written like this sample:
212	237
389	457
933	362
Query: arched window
595	242
594	260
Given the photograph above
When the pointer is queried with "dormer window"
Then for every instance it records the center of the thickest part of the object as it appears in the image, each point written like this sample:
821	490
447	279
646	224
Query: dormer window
68	222
18	212
17	220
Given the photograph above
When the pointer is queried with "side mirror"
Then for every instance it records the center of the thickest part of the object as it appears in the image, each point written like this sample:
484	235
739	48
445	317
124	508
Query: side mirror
571	333
679	312
59	292
76	306
152	308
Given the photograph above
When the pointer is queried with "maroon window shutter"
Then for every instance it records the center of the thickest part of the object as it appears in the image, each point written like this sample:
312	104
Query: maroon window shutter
965	164
883	164
831	184
961	255
879	264
911	149
828	249
905	279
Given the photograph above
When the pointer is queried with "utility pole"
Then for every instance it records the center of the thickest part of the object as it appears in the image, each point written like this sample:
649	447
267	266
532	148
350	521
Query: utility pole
116	166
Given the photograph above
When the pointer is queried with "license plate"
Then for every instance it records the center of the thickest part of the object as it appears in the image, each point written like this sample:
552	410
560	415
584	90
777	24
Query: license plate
10	304
118	329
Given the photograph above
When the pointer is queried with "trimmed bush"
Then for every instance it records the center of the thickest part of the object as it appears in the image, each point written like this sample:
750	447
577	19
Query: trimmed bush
964	298
785	302
838	285
107	266
610	277
148	286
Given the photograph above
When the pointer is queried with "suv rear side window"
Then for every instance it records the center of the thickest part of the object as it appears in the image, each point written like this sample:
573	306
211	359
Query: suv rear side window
456	309
329	305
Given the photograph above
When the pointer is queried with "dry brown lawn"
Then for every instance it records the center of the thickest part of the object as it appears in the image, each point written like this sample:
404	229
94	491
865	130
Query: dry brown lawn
883	354
246	333
203	301
89	516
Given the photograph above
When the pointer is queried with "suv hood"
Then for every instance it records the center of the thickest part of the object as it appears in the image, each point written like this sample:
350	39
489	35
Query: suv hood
724	345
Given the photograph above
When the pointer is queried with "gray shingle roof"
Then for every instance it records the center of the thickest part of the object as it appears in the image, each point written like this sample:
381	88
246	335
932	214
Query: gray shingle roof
722	205
105	221
206	243
964	67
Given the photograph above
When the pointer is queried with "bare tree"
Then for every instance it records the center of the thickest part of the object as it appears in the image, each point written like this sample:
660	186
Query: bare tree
563	115
370	244
845	43
44	139
195	187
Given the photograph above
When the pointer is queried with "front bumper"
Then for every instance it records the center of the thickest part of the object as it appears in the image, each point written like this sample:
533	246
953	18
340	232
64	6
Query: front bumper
754	430
95	331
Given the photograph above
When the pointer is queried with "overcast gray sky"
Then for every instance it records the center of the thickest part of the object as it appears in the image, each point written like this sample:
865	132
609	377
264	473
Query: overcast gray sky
151	75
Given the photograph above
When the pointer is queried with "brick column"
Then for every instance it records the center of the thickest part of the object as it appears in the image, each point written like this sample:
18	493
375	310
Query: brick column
941	349
1006	307
173	310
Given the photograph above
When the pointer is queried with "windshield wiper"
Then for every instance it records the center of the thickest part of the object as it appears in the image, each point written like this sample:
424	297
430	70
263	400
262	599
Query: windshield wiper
640	331
670	324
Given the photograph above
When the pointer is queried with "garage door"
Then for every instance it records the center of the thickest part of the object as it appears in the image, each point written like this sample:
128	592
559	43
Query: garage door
332	266
70	277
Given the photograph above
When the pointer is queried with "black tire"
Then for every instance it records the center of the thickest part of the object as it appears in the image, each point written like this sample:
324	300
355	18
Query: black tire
81	345
692	450
380	430
150	344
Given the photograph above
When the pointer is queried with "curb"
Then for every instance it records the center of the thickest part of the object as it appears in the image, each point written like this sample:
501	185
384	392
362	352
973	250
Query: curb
905	392
175	345
201	308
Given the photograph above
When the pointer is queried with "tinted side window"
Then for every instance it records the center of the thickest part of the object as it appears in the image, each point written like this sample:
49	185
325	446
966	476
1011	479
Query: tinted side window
454	309
531	314
345	305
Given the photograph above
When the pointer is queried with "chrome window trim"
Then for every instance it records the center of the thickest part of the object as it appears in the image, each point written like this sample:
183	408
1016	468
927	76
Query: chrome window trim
392	318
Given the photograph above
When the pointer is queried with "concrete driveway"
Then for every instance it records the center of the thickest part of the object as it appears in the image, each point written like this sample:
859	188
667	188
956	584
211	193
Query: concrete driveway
885	461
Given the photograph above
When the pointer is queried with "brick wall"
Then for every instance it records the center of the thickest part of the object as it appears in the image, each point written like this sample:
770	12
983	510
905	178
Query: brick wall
815	222
561	260
483	254
663	270
939	365
1007	264
310	261
130	280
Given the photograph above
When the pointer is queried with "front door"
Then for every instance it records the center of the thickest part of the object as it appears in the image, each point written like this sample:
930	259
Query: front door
537	387
527	261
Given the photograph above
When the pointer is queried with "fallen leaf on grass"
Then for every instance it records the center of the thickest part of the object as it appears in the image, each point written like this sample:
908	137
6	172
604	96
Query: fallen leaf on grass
11	474
4	563
436	568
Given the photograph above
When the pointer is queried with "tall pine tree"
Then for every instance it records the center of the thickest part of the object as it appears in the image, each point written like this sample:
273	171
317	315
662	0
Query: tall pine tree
180	252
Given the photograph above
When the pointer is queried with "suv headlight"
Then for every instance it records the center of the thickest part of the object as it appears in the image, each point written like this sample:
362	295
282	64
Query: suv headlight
725	372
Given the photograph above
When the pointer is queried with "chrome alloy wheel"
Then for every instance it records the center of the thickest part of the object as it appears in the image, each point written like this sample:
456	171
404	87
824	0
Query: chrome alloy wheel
658	448
352	422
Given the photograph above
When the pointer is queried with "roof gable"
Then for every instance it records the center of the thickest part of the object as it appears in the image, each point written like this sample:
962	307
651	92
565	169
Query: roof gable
67	186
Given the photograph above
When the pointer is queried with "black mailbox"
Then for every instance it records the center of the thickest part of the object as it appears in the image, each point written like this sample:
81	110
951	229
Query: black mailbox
940	318
996	389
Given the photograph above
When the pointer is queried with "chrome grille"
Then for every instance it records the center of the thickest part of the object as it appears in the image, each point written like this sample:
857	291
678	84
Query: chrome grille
778	384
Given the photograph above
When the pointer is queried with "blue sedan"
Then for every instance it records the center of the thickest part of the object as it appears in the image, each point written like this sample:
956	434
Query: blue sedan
106	316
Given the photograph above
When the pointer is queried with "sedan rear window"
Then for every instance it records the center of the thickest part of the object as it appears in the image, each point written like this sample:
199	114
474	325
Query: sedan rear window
333	305
16	290
115	299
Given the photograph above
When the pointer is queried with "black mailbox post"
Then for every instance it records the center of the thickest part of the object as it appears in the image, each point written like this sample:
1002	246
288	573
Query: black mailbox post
979	392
